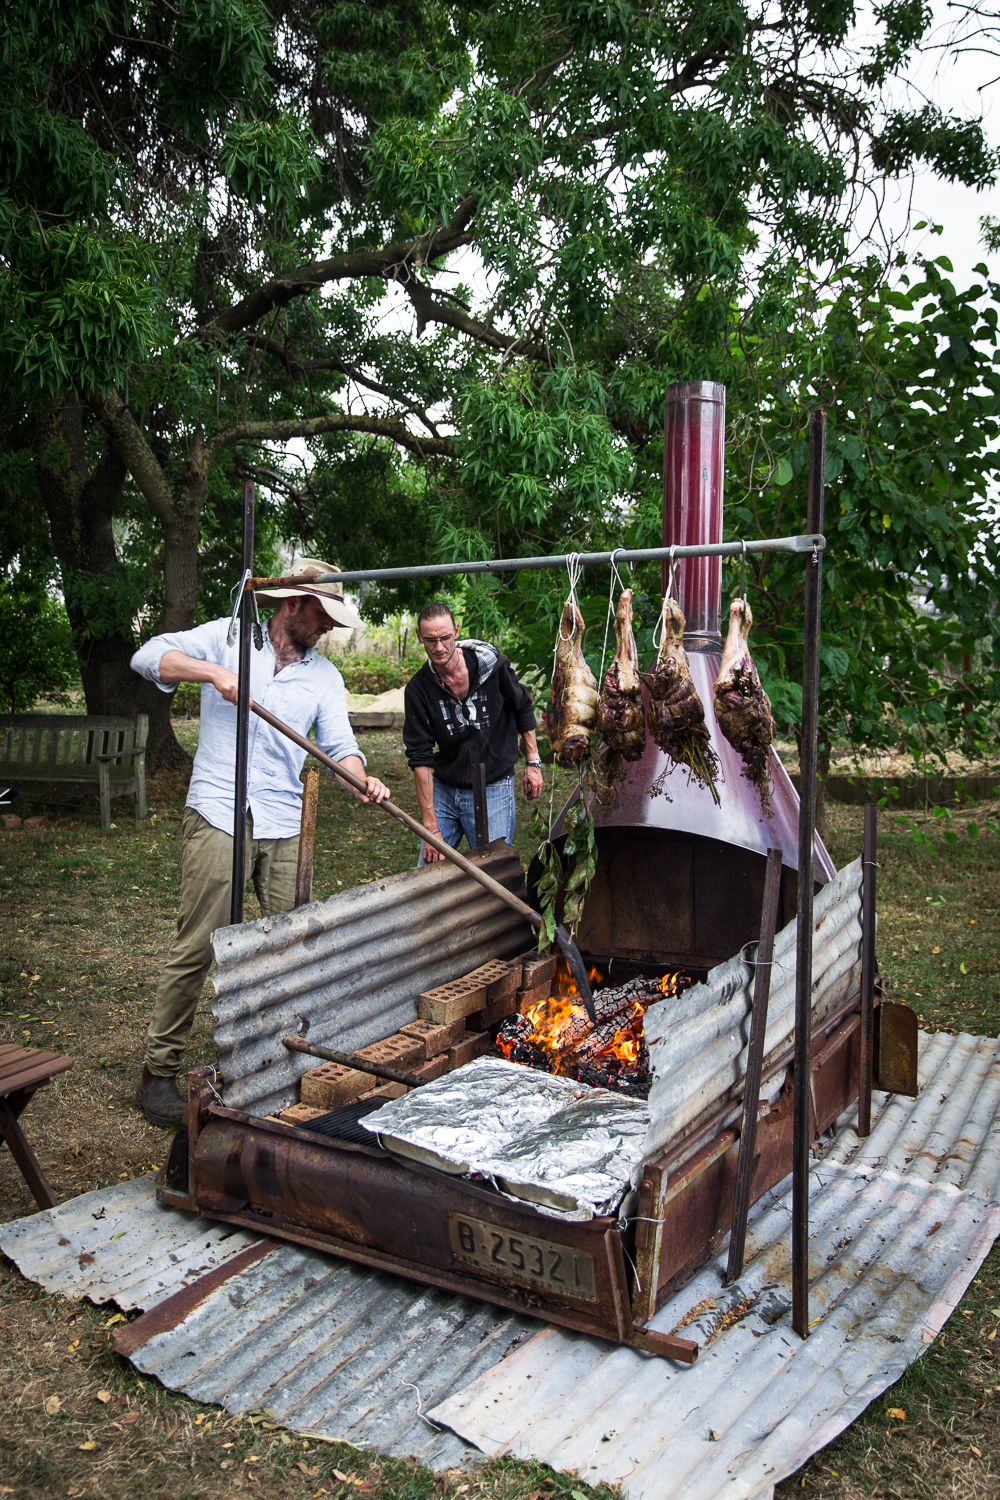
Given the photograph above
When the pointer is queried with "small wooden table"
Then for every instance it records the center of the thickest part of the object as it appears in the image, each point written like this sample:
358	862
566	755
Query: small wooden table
23	1070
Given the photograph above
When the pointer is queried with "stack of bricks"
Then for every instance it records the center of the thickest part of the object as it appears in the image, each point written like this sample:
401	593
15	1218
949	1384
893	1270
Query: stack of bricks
453	1028
537	975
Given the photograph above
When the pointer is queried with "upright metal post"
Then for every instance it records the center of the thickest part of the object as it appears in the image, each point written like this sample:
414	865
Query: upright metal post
808	754
869	859
755	1063
479	807
242	717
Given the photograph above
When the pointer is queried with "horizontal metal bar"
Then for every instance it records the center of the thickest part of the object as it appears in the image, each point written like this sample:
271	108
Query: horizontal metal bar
805	543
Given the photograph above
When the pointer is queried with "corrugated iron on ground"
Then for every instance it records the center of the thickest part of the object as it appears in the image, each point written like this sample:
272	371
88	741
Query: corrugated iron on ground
339	1351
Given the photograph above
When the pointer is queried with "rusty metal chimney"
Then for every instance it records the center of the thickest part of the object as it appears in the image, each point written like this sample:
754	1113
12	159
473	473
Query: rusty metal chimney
694	434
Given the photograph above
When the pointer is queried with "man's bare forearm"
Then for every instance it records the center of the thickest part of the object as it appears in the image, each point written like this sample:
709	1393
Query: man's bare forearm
176	667
424	778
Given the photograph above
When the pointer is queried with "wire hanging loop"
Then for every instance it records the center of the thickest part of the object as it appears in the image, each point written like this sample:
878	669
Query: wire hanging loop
743	573
616	577
660	626
574	567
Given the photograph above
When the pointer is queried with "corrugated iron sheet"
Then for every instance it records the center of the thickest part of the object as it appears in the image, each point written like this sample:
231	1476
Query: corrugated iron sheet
900	1224
335	1351
348	970
119	1244
698	1040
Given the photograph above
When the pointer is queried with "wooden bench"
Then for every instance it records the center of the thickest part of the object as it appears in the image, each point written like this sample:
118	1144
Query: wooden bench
23	1071
75	751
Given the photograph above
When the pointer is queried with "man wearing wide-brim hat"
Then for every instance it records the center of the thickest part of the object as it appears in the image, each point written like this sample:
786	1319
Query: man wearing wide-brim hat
306	691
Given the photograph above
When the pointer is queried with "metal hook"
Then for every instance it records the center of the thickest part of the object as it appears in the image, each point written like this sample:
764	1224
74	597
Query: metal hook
231	632
743	574
258	629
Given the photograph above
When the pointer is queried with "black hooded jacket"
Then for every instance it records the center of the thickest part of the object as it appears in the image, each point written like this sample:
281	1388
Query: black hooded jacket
482	726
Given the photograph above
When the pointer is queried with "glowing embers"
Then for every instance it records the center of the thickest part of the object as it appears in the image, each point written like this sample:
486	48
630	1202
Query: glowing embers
556	1034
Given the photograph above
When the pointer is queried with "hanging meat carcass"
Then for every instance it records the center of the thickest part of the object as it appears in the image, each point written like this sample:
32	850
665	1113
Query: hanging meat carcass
742	707
620	716
676	718
573	702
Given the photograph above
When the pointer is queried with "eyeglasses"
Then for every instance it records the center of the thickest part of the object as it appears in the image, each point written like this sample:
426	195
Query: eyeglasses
437	640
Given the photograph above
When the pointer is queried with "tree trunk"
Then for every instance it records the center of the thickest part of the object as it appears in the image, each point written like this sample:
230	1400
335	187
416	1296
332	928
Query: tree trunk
81	507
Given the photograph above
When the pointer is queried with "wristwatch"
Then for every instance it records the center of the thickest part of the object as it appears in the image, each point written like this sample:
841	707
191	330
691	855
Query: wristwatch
532	763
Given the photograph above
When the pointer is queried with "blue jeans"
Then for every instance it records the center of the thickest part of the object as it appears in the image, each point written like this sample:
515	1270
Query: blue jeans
454	811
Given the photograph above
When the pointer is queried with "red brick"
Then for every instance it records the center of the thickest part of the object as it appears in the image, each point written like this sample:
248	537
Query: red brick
331	1086
301	1114
387	1091
397	1051
527	998
474	1045
436	1039
463	997
538	969
432	1069
484	1019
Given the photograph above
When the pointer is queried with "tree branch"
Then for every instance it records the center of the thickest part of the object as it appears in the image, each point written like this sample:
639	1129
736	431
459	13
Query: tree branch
296	367
135	453
429	310
391	262
306	427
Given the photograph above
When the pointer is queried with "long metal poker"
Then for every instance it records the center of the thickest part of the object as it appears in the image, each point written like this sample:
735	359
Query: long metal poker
567	946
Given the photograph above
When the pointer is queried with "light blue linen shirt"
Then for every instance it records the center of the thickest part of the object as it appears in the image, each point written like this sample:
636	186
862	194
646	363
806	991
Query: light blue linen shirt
306	694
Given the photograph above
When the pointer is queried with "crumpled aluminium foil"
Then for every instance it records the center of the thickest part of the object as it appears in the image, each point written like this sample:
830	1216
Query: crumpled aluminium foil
570	1151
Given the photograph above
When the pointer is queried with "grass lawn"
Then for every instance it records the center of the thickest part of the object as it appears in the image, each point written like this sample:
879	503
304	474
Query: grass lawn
85	920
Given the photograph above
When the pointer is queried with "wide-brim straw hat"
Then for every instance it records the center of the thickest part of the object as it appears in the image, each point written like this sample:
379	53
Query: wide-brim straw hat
330	595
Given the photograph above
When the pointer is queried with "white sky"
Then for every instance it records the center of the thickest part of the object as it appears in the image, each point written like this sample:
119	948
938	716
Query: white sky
958	86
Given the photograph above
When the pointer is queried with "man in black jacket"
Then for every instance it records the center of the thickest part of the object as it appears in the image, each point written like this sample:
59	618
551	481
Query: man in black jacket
466	702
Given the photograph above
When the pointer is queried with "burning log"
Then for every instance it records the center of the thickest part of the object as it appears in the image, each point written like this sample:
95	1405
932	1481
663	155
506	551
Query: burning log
557	1036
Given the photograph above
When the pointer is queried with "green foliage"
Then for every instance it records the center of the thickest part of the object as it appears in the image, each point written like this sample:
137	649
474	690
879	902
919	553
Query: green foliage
193	202
565	877
910	377
366	672
36	646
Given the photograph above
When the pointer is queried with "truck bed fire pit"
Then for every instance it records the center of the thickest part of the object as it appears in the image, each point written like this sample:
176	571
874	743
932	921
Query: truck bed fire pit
512	1147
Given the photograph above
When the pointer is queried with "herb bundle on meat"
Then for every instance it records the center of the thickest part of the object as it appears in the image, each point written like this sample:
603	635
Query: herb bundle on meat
620	716
676	718
742	707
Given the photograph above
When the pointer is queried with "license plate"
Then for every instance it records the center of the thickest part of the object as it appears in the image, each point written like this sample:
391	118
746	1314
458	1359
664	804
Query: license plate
518	1257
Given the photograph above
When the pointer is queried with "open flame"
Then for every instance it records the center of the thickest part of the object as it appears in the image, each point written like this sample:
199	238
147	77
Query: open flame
557	1035
672	984
563	982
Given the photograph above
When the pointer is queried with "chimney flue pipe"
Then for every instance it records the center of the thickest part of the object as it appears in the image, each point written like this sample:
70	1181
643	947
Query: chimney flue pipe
694	430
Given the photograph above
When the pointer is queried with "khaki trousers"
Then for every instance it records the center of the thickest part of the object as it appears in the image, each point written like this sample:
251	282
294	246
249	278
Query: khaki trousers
206	878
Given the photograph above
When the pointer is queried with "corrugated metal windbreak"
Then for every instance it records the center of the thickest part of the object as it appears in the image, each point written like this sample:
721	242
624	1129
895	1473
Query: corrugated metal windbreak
899	1225
119	1243
348	970
698	1041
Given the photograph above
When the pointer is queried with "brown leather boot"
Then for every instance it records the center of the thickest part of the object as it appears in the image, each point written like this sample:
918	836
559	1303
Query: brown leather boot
160	1100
